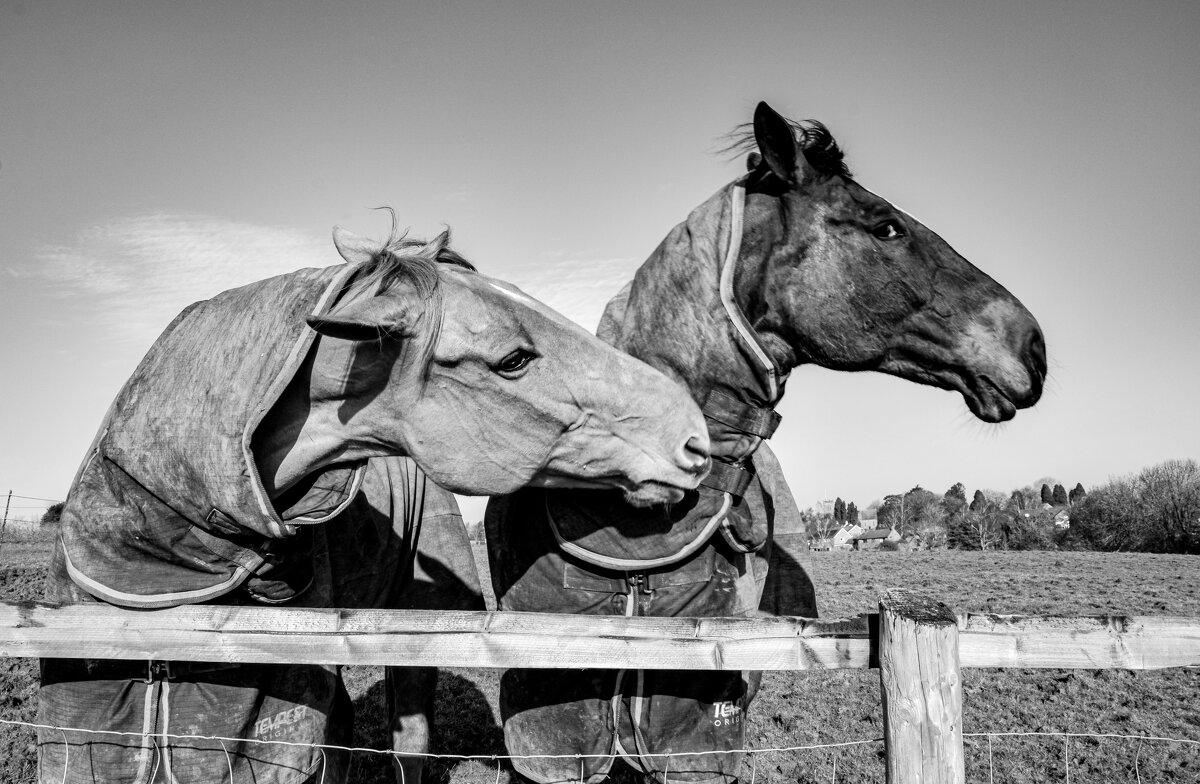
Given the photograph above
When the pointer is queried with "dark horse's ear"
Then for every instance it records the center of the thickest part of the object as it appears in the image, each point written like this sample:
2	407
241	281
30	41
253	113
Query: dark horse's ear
389	315
777	143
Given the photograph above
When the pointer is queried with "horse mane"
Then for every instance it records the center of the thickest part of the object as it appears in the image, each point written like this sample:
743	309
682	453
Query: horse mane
402	259
820	149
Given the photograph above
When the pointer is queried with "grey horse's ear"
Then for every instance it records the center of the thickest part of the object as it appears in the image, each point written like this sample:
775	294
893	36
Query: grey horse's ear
777	143
391	315
353	248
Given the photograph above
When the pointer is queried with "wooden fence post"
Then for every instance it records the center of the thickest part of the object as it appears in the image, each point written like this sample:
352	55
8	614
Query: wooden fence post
922	690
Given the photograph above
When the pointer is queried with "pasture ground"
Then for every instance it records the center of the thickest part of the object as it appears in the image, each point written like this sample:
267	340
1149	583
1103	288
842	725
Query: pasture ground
809	709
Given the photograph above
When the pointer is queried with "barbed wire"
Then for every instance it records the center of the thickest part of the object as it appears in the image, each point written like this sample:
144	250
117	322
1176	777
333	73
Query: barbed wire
33	498
1103	735
430	755
496	759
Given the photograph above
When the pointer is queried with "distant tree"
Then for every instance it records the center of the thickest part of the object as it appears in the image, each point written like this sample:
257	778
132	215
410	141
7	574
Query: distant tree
821	526
839	510
852	515
53	514
1060	496
1076	494
924	517
1047	495
986	526
978	502
954	504
1017	501
1170	493
891	513
1157	511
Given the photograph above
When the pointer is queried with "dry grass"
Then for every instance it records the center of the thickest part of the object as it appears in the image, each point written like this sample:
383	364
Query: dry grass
795	709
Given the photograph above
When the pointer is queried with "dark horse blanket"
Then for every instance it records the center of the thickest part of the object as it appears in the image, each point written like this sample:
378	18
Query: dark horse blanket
635	714
168	509
587	552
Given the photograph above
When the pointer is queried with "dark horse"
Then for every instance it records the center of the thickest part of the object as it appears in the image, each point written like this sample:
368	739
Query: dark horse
795	263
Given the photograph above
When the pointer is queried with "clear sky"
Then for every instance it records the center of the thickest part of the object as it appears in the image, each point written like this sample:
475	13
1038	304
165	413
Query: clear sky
152	154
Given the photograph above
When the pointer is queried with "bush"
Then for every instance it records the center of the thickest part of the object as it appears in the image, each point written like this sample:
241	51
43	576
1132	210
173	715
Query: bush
1036	532
53	514
1157	511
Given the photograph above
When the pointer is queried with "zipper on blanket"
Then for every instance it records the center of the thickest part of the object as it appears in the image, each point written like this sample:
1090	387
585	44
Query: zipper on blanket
639	587
635	582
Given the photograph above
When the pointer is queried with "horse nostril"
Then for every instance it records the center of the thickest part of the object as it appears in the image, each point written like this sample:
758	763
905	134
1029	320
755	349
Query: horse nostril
695	451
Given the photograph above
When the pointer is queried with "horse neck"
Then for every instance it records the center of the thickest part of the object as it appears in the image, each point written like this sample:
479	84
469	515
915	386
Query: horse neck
321	418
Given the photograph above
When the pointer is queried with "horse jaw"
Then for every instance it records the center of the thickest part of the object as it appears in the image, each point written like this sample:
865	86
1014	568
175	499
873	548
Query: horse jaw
996	360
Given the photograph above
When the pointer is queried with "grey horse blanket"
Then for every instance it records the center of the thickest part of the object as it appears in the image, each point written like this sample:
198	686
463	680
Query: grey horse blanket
168	509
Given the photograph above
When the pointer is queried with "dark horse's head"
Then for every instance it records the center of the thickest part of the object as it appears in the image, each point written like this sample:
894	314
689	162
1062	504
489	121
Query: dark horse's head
850	282
823	271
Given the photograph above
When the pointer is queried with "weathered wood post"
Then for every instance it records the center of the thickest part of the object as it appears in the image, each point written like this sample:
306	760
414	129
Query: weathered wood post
922	690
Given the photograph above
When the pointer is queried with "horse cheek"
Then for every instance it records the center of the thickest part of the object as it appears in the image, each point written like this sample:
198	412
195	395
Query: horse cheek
492	452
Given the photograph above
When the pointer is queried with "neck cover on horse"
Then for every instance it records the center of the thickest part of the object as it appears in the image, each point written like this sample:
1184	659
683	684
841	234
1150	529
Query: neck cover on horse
168	507
605	531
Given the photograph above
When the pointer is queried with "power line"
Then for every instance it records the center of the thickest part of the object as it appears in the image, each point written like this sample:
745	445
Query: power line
32	498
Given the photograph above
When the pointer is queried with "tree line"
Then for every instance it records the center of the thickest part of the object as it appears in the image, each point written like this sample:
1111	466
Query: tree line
1156	510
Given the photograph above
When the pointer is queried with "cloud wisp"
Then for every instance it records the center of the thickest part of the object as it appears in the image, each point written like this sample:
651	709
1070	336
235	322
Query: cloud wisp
578	288
137	273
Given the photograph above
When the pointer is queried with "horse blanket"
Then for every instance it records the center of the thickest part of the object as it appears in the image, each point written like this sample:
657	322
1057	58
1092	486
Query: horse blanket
635	715
168	509
712	554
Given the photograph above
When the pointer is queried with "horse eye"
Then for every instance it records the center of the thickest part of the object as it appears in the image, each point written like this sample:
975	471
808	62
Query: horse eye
512	365
888	230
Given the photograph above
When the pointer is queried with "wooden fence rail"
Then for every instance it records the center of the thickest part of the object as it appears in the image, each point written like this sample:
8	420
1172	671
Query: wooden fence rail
918	644
489	639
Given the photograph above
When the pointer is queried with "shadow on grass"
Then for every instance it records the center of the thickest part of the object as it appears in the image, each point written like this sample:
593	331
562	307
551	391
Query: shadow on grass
465	724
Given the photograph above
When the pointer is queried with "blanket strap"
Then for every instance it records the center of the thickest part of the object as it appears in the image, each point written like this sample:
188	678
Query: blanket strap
725	408
728	478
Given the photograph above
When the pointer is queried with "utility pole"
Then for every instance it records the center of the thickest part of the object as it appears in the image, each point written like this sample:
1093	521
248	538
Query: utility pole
4	524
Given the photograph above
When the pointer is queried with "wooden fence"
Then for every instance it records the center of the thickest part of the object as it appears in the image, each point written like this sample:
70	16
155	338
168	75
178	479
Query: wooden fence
919	646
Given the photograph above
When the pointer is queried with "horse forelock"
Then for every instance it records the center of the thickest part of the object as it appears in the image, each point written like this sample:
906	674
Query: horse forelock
820	149
405	260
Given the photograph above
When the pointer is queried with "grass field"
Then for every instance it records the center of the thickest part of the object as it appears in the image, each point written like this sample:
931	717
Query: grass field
810	709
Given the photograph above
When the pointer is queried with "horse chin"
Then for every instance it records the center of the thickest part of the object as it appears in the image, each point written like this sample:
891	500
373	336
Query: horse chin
562	482
643	494
989	403
985	399
653	494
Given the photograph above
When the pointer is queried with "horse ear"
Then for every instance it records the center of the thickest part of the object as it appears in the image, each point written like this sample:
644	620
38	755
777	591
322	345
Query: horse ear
353	248
777	143
388	315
